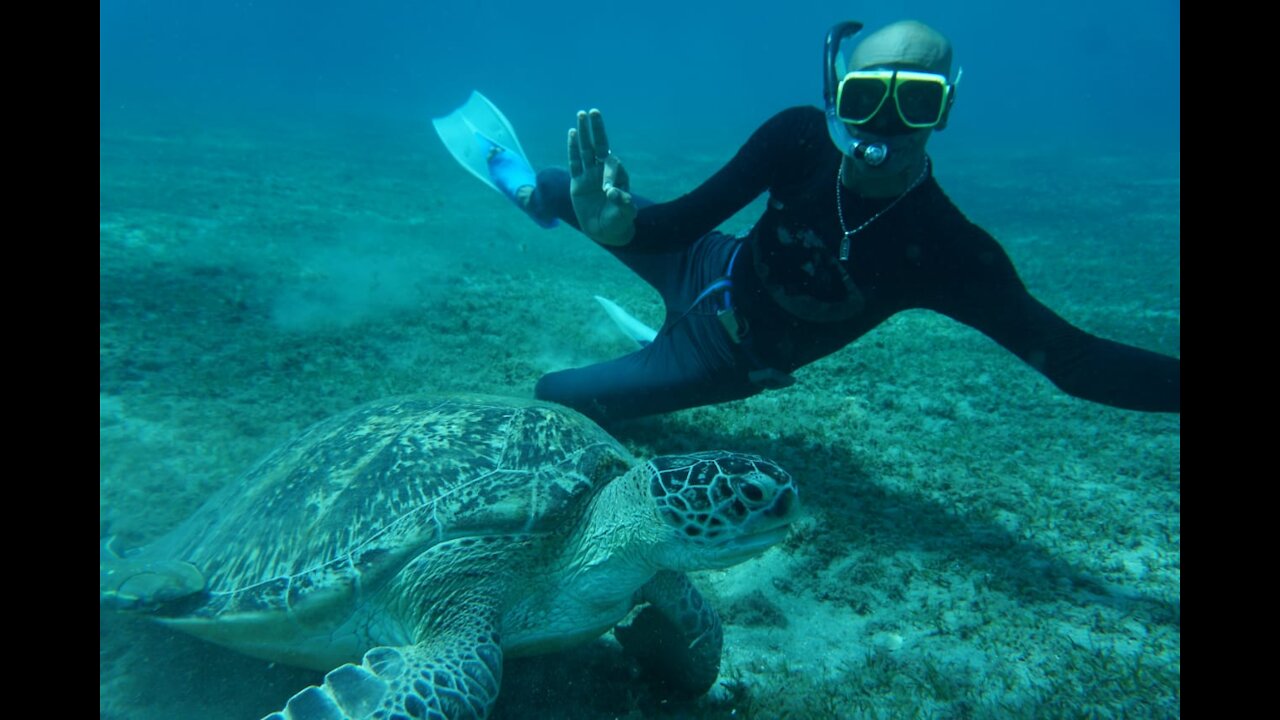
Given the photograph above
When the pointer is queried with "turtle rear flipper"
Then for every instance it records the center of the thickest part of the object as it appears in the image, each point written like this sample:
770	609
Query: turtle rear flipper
144	585
450	677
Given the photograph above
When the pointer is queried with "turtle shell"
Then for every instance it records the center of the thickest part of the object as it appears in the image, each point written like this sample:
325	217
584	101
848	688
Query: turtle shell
355	496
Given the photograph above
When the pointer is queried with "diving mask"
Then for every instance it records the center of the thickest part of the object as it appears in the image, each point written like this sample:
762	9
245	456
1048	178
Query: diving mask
921	99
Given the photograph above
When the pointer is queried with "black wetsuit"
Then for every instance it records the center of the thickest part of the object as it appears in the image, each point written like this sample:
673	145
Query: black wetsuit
794	301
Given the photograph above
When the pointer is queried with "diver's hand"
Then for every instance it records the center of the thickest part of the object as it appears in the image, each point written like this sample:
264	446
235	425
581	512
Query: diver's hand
599	185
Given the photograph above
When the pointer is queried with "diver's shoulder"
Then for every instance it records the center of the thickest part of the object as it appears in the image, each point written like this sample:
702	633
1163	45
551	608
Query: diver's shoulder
798	116
798	123
932	201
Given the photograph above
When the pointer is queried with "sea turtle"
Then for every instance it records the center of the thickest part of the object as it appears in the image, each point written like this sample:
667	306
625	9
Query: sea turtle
435	536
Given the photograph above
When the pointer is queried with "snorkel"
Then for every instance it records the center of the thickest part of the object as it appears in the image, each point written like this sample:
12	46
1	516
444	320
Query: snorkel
873	154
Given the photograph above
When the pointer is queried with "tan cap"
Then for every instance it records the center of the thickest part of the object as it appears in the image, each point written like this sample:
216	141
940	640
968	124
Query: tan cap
904	43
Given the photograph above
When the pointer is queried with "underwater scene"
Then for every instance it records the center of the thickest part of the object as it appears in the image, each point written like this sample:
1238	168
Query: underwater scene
286	237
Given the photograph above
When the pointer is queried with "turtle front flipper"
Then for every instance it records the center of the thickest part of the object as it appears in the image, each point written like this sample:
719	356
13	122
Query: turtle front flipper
144	585
677	639
448	678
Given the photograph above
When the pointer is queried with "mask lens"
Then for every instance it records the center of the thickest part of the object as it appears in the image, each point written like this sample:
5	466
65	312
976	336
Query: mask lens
920	101
861	97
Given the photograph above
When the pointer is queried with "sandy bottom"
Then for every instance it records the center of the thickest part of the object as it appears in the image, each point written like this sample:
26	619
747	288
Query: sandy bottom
976	544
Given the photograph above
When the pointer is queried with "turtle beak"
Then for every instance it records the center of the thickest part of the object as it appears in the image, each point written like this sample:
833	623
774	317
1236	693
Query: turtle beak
745	547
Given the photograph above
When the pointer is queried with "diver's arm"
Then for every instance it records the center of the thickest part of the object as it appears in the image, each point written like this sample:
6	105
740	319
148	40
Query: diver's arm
987	294
783	149
1085	365
780	149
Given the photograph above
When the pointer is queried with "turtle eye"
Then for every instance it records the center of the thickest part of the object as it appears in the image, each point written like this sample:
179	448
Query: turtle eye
752	492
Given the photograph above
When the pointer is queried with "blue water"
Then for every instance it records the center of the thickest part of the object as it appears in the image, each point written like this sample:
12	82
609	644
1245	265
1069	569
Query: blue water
1091	71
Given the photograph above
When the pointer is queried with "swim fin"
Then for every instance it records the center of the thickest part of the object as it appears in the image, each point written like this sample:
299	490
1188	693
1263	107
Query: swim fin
483	142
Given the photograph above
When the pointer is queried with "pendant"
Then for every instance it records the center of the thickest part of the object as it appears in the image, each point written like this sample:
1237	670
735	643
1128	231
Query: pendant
844	245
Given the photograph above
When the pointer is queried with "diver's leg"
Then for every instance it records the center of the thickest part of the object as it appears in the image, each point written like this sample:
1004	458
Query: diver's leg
679	274
512	175
689	364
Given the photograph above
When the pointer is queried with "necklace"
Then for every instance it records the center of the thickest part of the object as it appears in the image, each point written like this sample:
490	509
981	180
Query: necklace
848	234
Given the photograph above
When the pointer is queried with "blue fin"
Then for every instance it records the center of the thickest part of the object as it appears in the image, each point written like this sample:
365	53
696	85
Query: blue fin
483	142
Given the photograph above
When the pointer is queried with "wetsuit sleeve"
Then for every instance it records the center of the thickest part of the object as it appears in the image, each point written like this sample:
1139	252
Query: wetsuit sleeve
987	294
776	152
773	154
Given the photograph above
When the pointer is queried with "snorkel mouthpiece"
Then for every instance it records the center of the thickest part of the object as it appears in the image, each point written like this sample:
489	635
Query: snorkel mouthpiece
873	154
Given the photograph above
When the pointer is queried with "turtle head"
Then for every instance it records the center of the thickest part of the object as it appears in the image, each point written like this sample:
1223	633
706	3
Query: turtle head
722	507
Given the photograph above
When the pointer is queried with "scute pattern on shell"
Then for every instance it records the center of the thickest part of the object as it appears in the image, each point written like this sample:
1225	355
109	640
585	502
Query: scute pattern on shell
353	496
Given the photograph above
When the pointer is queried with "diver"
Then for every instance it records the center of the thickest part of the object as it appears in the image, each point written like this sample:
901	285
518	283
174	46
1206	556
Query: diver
856	230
